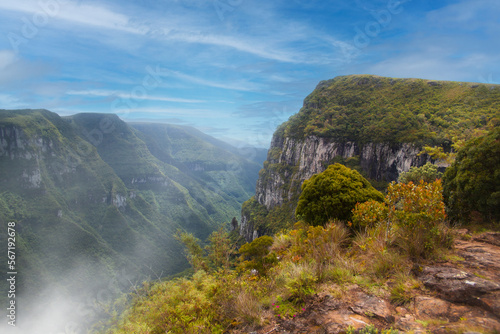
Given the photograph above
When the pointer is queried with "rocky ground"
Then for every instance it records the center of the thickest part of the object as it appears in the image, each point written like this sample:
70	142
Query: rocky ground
457	296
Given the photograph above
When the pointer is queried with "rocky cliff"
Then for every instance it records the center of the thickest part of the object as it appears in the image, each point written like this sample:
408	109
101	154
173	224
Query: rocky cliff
292	161
379	161
373	124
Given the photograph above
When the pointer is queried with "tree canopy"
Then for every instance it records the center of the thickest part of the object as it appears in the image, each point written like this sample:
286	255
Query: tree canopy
472	182
333	194
427	173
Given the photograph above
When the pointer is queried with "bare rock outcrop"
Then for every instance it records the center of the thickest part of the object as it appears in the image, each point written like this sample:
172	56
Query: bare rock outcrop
460	297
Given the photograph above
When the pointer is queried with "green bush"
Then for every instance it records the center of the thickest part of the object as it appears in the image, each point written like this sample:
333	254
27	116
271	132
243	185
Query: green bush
177	307
369	214
418	213
472	182
256	254
427	173
333	194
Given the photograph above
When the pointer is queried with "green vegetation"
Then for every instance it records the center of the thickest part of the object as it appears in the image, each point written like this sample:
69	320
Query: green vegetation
333	194
472	182
364	108
110	195
427	173
115	198
294	265
255	255
357	111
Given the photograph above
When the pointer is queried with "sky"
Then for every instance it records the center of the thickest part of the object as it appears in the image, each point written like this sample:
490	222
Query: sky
234	69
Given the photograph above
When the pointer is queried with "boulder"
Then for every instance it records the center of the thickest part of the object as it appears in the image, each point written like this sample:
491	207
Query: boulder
456	285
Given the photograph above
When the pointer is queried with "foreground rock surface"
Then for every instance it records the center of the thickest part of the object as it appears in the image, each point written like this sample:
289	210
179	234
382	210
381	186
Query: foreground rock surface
459	297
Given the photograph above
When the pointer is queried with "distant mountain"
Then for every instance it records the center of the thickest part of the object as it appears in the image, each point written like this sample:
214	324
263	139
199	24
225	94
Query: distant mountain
96	201
255	154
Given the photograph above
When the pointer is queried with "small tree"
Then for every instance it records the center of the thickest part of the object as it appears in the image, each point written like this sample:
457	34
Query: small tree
256	254
220	249
194	252
418	212
413	213
427	173
333	194
472	182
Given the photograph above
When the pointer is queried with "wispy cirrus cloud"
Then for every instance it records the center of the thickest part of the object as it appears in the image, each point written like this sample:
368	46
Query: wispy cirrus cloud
239	43
239	85
10	102
257	58
76	12
134	113
115	94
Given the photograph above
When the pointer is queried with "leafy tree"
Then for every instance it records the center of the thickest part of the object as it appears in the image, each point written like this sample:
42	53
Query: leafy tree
472	182
195	253
427	173
418	212
256	254
333	194
220	249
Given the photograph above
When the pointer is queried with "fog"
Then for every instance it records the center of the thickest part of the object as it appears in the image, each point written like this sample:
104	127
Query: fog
64	308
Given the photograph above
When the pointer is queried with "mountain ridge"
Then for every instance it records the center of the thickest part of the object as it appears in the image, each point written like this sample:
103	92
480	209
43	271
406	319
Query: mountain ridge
90	200
376	125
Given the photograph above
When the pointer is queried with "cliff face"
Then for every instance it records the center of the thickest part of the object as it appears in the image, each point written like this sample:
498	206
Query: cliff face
291	161
14	145
380	161
373	124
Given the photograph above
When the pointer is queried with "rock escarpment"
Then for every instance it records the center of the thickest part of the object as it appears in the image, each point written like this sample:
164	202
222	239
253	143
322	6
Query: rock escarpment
379	161
291	161
373	124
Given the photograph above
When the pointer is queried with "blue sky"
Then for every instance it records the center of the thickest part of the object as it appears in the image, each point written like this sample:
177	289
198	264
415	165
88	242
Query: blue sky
234	69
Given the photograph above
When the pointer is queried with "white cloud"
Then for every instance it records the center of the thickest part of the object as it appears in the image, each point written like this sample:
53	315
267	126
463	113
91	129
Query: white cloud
467	15
7	58
239	85
75	12
182	112
10	102
188	28
432	65
238	43
109	93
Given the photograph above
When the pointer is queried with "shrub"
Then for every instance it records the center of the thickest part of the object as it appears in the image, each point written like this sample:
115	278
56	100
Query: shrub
298	278
369	214
238	299
256	255
472	182
333	194
177	307
418	212
427	173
